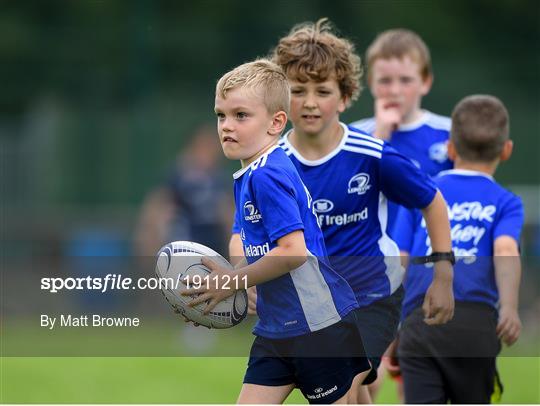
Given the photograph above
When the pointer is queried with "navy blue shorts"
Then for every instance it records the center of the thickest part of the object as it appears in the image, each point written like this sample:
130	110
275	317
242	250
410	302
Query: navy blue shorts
378	324
321	364
453	362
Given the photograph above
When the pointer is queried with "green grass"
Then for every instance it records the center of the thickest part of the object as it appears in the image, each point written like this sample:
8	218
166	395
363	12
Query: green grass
182	380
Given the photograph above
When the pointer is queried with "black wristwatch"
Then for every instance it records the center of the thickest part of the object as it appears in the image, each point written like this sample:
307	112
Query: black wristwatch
435	257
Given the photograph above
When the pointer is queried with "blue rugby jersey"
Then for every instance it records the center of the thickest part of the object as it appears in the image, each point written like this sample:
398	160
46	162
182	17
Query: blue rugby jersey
480	210
271	202
351	187
423	141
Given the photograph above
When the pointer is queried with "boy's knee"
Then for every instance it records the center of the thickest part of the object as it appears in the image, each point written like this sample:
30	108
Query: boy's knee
358	393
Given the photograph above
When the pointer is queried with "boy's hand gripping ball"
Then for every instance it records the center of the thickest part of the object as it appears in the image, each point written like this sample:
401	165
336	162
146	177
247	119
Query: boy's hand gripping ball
180	261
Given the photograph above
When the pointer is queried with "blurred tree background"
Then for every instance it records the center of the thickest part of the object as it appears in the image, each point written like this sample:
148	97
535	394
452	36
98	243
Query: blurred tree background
98	96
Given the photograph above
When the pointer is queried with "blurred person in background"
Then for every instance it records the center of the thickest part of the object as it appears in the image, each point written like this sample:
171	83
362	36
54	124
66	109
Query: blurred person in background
399	75
193	203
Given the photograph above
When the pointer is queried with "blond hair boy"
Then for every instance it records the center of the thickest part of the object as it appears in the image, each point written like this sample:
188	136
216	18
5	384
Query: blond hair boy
305	336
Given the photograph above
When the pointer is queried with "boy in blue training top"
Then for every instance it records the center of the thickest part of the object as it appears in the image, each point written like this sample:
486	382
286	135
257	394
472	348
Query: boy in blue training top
306	333
456	362
399	74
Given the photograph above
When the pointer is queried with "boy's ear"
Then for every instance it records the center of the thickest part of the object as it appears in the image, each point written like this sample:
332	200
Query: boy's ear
343	103
451	150
506	152
279	121
426	84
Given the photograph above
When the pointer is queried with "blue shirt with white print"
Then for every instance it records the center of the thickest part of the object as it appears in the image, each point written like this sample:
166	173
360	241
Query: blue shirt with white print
271	202
480	210
423	141
351	187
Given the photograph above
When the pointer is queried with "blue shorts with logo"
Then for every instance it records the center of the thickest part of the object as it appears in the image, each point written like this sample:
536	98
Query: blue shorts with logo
322	364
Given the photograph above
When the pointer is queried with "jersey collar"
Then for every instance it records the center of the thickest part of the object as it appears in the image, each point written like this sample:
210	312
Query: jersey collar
325	158
240	172
415	124
466	172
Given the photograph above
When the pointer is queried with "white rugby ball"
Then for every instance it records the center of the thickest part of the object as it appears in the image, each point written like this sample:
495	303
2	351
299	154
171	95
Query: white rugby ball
180	259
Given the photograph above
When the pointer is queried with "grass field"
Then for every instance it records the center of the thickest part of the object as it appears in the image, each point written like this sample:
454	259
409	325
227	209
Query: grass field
179	377
182	380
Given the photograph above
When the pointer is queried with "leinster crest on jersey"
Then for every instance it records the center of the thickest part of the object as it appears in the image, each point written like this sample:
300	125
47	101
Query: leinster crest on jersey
359	184
251	213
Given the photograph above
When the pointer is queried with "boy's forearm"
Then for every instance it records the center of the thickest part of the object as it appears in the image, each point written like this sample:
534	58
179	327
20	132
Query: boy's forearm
507	271
438	228
236	250
507	279
276	263
240	264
